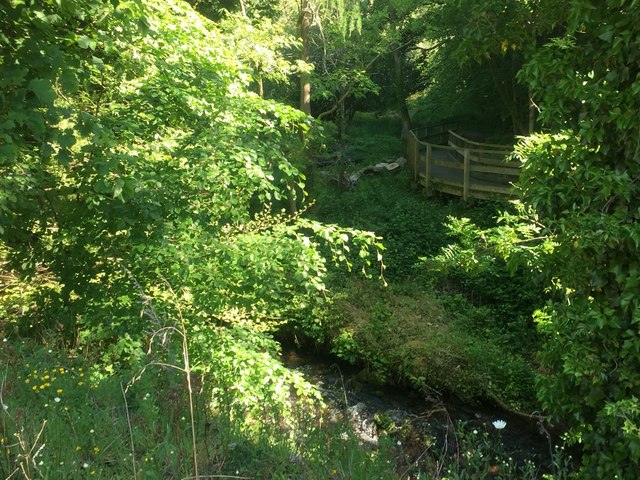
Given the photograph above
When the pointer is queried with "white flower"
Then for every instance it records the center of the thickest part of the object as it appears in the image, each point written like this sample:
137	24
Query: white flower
57	399
499	424
399	443
85	465
344	436
475	432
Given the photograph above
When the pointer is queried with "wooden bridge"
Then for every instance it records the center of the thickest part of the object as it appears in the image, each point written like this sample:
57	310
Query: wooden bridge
441	160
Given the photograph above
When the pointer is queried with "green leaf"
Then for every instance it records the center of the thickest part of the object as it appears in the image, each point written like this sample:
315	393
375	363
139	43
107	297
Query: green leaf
67	140
69	81
606	36
87	42
98	62
54	18
8	153
64	157
43	89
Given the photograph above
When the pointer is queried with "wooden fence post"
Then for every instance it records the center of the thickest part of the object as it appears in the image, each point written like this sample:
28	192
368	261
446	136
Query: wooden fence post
427	172
414	155
466	177
416	172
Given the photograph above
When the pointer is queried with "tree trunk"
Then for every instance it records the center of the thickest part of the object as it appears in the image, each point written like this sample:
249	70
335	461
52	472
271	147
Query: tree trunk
305	77
506	89
401	98
304	24
260	86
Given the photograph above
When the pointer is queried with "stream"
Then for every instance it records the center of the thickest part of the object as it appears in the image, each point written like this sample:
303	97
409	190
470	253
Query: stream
425	429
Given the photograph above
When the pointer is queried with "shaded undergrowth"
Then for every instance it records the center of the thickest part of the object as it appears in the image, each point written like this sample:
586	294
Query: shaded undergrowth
70	412
439	326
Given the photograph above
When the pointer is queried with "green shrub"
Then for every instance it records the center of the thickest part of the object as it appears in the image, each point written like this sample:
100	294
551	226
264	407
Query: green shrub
413	337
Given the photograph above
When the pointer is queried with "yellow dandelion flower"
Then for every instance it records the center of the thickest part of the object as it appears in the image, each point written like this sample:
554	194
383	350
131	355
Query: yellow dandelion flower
42	387
46	377
78	448
96	449
59	390
80	383
27	380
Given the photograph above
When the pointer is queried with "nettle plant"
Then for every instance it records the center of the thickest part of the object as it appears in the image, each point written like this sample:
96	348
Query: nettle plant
134	158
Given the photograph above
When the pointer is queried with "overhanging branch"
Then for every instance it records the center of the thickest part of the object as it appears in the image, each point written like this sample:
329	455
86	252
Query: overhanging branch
352	84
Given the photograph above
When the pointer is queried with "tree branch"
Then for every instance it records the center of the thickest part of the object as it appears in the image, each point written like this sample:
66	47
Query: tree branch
428	49
352	84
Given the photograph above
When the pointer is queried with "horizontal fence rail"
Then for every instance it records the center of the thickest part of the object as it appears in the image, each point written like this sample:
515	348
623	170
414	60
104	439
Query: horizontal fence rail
459	166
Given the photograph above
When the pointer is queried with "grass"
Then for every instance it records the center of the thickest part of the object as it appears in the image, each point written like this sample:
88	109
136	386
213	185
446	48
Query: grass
68	414
372	139
76	424
409	335
92	432
66	418
461	333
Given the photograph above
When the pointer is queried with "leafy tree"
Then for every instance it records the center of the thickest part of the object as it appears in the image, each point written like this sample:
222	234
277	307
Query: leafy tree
484	45
400	27
262	44
343	14
582	180
136	163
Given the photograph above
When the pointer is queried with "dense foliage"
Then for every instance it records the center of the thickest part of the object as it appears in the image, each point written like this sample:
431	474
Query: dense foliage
577	227
140	175
582	180
143	176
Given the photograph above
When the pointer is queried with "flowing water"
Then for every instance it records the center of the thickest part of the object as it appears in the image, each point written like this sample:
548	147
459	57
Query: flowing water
425	428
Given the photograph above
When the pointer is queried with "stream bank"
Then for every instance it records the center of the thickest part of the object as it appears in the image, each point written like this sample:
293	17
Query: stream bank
428	434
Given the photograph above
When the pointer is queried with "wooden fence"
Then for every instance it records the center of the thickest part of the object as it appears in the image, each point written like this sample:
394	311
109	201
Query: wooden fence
437	134
459	166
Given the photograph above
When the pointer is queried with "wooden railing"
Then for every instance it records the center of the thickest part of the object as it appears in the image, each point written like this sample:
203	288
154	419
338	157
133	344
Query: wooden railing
459	166
438	133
